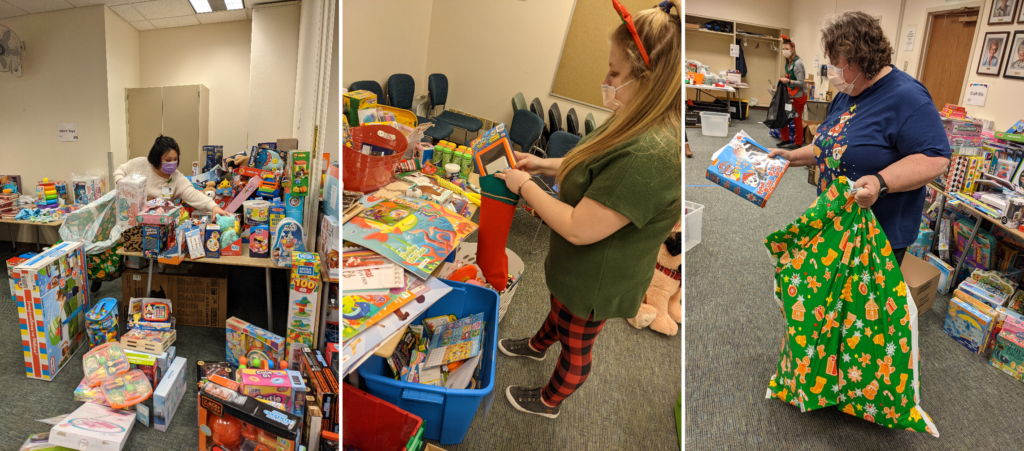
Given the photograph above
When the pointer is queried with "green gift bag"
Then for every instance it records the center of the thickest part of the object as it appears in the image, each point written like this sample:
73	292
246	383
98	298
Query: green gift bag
851	325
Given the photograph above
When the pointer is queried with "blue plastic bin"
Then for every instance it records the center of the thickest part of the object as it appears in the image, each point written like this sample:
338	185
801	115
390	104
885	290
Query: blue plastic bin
446	413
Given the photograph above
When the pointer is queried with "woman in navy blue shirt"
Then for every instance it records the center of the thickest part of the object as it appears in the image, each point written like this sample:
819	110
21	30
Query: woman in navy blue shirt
882	131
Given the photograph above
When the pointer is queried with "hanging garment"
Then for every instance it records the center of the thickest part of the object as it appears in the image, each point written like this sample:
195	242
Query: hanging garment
851	325
741	63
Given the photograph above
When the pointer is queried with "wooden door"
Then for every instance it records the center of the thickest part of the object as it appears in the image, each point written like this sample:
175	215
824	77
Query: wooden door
144	109
181	120
949	52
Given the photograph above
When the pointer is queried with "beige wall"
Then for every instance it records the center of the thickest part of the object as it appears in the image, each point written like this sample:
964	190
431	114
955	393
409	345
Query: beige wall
770	13
487	64
409	24
275	47
64	79
215	55
332	140
122	41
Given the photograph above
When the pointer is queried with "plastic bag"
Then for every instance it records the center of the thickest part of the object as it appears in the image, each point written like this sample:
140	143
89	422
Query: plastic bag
94	224
851	324
778	114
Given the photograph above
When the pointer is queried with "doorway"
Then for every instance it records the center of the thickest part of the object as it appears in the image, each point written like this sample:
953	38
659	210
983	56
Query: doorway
950	36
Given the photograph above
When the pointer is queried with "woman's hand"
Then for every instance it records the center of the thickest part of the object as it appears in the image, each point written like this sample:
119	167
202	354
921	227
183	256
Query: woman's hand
784	80
867	196
787	154
220	212
513	179
532	164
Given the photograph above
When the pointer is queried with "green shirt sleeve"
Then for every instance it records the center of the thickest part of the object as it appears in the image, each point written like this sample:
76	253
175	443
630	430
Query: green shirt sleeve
636	182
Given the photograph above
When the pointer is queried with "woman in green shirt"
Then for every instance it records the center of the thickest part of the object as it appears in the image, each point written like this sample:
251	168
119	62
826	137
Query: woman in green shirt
619	198
794	81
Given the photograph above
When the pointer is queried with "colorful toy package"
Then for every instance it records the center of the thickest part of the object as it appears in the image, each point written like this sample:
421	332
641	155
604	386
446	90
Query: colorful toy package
126	390
94	427
131	199
105	361
167	395
272	385
303	304
289	237
253	343
851	321
489	137
298	172
52	297
1008	354
415	233
743	167
101	322
327	246
259	242
12	263
969	322
354	101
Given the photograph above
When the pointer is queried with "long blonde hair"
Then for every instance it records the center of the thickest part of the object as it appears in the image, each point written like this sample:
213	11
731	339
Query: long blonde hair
657	98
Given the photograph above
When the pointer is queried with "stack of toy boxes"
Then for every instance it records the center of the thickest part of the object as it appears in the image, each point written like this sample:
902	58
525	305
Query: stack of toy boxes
953	111
251	342
8	205
1008	354
283	389
303	305
323	385
131	198
355	101
52	296
157	220
327	246
970	320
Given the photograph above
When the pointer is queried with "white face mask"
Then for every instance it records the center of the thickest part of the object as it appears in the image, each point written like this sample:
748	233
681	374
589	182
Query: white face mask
787	53
608	95
835	76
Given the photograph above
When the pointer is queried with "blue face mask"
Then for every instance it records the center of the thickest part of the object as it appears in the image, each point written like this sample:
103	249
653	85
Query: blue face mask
169	168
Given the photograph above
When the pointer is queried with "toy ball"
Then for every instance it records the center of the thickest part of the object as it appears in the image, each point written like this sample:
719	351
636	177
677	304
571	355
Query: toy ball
227	430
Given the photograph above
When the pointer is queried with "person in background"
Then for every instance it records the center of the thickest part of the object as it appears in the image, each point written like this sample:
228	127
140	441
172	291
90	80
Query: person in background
794	81
161	171
688	153
619	197
883	130
991	60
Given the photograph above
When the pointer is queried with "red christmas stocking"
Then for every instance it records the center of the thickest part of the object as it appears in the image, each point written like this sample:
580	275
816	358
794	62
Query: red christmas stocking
497	206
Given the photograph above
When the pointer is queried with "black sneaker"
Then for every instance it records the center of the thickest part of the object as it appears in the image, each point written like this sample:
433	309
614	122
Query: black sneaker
528	400
792	146
782	144
95	286
520	348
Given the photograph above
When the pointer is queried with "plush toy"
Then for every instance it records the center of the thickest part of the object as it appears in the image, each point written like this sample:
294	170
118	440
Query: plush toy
228	230
662	308
211	189
236	161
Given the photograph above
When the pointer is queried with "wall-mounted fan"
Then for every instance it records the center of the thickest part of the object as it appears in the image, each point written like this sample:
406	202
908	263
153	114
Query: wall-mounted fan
11	51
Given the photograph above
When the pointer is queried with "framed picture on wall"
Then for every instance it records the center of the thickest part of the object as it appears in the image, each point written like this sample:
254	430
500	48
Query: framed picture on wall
1002	12
993	46
1015	57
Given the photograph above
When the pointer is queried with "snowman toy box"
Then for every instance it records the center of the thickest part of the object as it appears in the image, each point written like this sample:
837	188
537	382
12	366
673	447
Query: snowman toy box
743	167
52	299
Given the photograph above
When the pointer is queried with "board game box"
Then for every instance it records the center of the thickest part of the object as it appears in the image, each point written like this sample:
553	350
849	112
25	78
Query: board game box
743	167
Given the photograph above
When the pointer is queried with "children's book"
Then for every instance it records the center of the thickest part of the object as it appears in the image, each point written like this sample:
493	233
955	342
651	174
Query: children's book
377	279
360	311
743	167
456	341
415	233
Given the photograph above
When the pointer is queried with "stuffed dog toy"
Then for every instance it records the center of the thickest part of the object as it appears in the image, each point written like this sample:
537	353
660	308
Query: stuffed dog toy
661	309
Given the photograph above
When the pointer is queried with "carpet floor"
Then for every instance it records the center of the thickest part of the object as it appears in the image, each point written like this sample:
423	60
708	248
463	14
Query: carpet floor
734	328
627	402
25	400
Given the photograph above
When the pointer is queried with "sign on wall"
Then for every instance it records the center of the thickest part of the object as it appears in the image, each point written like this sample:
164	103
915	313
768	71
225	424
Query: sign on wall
976	94
67	131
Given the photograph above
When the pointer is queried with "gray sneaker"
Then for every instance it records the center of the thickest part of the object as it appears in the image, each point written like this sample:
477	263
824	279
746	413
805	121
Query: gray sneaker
520	348
528	400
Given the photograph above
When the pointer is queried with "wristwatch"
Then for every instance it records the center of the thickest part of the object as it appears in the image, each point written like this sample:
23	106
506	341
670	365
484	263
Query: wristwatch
883	188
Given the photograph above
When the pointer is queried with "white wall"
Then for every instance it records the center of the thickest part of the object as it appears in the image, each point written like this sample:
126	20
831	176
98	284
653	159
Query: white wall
215	55
64	79
486	64
770	13
332	139
122	42
405	37
275	47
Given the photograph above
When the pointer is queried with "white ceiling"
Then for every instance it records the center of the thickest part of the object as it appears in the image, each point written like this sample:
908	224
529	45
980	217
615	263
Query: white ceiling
142	14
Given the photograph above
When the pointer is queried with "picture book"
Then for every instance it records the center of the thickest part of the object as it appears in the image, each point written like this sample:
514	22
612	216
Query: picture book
362	311
377	279
743	167
456	341
415	233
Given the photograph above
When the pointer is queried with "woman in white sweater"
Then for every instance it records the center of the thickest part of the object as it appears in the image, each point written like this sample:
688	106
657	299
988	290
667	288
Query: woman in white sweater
161	171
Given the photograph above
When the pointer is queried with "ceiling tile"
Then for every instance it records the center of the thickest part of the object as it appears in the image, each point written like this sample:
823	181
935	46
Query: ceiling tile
128	13
222	16
83	3
162	9
10	11
143	25
40	6
175	22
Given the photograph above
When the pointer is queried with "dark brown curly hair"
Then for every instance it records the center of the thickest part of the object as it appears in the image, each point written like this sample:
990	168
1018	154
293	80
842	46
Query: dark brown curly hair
859	38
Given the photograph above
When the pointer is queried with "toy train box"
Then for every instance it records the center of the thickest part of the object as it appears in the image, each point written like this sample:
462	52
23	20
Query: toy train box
743	167
52	298
969	322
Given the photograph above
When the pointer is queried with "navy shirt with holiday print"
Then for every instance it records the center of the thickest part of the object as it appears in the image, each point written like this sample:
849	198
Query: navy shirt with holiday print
864	134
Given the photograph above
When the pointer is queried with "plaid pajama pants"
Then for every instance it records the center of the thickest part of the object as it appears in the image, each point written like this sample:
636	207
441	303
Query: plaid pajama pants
577	337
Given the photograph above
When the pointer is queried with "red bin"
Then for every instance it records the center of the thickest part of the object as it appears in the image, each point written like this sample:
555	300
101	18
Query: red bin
366	173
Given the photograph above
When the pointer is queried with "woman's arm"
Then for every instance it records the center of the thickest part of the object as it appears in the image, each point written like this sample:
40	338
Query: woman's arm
188	193
907	174
803	156
120	173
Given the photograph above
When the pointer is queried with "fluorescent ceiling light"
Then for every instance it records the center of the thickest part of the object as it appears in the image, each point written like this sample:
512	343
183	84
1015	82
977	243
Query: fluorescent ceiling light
209	6
201	6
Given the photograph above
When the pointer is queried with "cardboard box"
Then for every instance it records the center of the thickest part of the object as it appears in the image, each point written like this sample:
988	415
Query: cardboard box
167	395
94	427
922	281
353	101
52	298
287	144
199	292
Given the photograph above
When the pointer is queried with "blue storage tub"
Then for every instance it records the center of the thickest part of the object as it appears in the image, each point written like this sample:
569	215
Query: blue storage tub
446	413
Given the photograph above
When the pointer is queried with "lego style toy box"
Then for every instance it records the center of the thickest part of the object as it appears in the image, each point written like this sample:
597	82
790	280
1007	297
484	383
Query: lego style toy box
52	298
303	304
743	167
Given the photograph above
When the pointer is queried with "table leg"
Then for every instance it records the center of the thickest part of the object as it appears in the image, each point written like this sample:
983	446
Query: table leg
38	231
149	281
270	313
967	248
14	246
